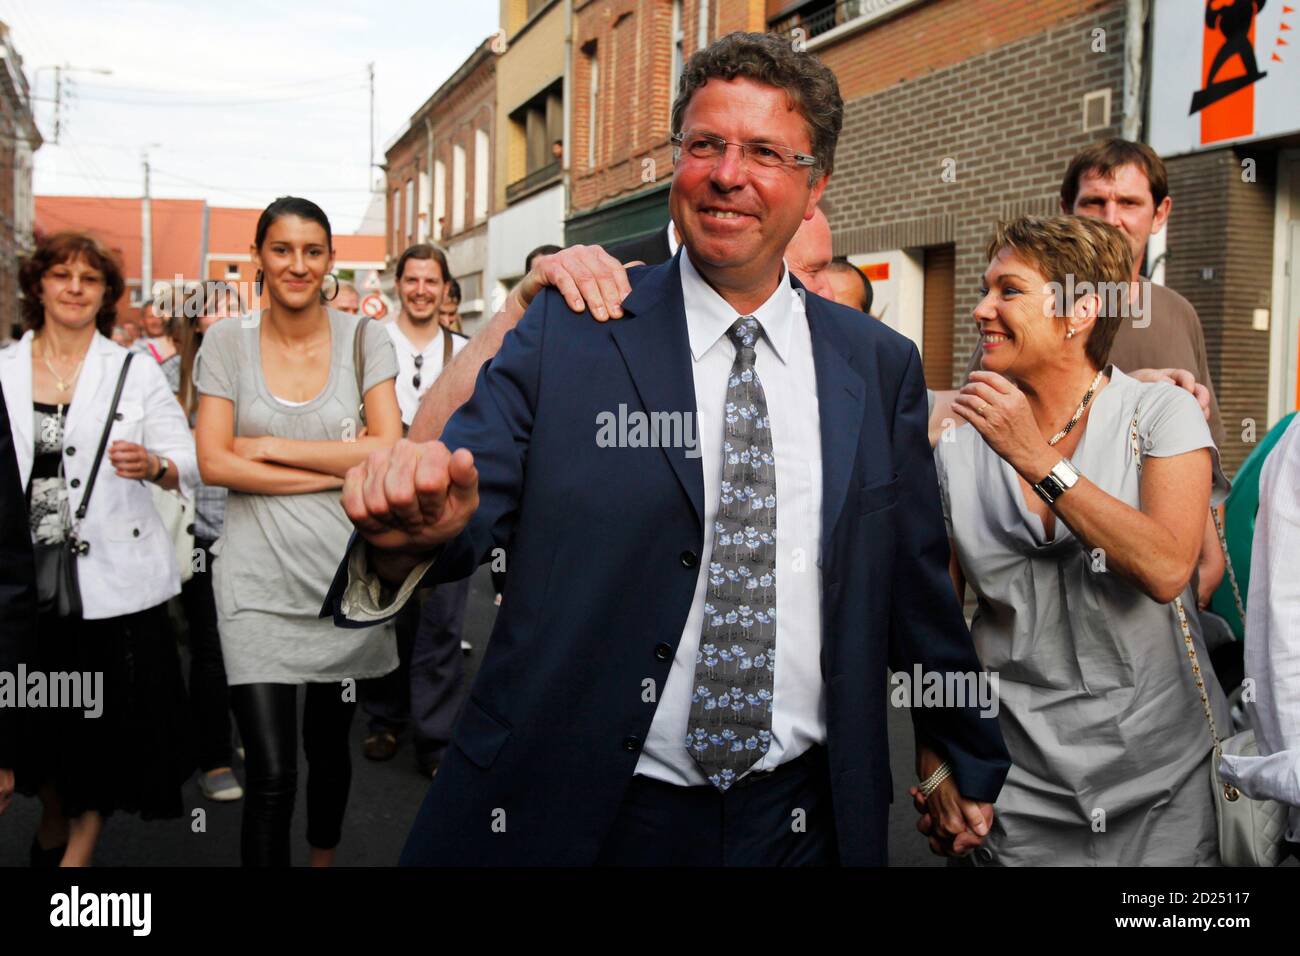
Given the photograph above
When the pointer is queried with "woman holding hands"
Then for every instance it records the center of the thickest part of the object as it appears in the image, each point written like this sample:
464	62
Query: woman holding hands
1075	506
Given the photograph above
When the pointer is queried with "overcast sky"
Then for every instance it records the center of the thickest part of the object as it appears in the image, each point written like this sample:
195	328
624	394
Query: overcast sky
237	102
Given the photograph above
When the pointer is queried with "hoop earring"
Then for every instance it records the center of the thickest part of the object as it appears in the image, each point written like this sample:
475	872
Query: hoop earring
331	298
257	284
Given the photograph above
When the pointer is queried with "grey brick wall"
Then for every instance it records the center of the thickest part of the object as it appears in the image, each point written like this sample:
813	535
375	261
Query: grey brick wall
1222	223
1011	118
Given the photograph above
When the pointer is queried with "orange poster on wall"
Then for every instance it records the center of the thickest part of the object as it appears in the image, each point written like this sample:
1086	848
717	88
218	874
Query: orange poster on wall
1223	71
1229	70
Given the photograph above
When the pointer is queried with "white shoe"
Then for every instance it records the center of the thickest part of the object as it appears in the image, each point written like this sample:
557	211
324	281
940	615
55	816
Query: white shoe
221	787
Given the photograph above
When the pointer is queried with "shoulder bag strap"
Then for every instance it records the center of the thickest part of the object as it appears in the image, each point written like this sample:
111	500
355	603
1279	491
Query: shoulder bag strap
359	364
1190	646
446	346
103	439
1227	562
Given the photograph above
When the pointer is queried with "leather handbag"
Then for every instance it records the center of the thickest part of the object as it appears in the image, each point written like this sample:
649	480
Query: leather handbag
177	514
1250	831
58	589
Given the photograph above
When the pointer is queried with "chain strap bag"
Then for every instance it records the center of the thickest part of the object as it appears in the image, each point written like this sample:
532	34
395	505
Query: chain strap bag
58	588
1250	831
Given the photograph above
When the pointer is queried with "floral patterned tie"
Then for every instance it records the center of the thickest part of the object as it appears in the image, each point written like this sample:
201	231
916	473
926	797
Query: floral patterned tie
730	726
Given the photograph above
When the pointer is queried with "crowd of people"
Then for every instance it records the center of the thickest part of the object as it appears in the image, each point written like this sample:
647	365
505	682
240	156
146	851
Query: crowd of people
309	491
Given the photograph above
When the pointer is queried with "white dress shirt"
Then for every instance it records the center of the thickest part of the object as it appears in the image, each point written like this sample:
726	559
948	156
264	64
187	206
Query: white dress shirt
408	399
784	363
1273	637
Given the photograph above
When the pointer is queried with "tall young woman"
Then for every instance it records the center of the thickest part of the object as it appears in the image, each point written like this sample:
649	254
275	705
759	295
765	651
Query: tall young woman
128	749
278	425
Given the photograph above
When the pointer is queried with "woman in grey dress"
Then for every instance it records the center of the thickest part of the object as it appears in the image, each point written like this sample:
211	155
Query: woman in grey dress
279	425
1108	738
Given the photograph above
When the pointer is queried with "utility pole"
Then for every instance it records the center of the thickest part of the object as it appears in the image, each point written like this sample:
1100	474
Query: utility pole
370	170
146	233
60	88
58	103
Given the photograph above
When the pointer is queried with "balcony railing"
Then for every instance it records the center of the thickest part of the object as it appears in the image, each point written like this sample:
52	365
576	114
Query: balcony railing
537	179
816	19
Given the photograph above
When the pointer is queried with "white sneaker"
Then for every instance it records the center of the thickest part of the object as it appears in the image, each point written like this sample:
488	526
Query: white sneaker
221	787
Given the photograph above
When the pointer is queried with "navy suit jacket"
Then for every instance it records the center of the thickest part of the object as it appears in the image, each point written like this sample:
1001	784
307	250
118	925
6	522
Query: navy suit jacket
603	550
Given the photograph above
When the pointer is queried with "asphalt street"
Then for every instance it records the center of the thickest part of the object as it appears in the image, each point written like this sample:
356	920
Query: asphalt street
384	800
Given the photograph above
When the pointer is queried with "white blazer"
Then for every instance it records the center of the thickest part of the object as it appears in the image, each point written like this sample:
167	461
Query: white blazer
131	564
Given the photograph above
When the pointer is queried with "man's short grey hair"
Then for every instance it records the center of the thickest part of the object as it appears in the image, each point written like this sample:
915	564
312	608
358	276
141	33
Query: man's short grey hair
771	59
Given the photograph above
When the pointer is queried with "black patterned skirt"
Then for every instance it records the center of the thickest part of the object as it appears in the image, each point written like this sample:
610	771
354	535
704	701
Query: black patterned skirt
135	756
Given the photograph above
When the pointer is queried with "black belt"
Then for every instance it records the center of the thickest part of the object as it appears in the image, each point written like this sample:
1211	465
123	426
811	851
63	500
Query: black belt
809	759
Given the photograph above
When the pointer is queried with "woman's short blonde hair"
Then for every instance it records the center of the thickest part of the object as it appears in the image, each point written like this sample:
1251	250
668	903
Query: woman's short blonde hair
1078	255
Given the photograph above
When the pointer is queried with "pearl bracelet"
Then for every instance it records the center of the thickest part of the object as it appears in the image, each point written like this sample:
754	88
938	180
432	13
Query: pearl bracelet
931	783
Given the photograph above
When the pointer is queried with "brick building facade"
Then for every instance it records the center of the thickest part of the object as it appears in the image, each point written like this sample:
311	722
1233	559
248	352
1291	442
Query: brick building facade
959	113
533	85
19	139
440	178
1220	259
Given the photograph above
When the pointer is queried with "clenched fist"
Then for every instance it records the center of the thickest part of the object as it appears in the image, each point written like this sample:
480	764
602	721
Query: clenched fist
411	498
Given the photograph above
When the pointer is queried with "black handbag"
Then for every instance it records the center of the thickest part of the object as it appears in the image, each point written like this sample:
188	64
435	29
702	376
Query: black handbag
58	591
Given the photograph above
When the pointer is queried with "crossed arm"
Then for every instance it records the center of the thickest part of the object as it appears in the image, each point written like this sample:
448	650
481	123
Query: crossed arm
270	465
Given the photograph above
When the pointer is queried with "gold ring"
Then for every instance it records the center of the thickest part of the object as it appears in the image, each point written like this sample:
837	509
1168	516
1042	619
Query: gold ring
980	410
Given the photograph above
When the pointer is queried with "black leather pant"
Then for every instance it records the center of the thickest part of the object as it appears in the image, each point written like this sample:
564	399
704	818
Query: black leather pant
267	715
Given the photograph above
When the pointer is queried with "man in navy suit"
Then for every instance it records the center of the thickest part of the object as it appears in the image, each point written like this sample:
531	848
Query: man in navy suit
614	460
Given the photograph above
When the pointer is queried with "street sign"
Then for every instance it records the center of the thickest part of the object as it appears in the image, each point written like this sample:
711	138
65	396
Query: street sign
373	306
371	282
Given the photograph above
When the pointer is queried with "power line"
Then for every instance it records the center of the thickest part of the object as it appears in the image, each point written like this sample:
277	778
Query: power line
299	189
189	104
353	75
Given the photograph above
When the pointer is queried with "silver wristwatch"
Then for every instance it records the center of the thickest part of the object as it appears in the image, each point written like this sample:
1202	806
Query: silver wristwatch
1059	480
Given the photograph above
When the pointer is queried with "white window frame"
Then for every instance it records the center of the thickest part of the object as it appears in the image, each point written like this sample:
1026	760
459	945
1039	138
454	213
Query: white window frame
409	189
457	188
396	231
439	198
481	168
422	220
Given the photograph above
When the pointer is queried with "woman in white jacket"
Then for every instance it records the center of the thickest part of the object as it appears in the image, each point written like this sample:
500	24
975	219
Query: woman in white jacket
124	745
